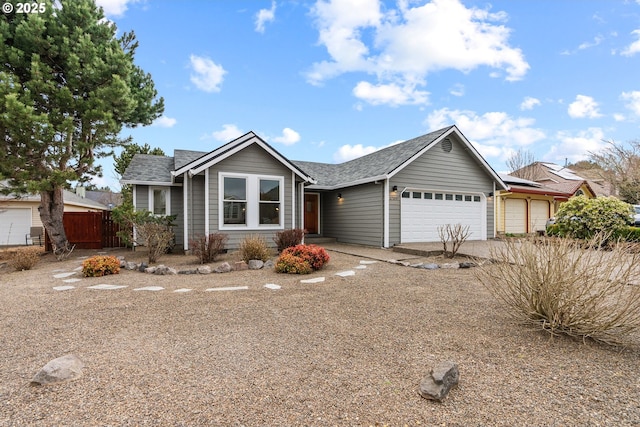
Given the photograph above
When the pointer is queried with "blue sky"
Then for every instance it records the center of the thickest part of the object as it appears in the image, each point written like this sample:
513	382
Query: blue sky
329	81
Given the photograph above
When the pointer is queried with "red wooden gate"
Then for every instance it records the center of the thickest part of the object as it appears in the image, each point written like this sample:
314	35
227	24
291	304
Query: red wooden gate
90	230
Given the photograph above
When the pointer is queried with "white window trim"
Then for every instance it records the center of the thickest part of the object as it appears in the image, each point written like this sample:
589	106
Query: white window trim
167	199
253	202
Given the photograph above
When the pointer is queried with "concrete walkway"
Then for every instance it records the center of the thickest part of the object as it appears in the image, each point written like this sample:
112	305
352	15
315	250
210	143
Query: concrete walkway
475	249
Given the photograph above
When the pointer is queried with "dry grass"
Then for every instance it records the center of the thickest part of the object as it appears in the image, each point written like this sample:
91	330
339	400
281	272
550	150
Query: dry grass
565	288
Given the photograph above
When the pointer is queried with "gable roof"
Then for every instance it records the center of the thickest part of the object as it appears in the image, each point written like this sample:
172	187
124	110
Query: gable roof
386	162
379	165
558	178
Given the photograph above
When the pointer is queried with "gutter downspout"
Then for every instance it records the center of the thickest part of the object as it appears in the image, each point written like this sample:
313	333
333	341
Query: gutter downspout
385	231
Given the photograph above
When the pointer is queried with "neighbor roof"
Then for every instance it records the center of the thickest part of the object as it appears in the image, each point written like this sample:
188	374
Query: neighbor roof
70	198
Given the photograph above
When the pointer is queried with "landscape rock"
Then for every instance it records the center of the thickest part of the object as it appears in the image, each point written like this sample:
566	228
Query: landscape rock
430	266
151	270
467	264
123	263
416	265
442	378
131	266
188	272
238	266
269	264
162	270
143	266
204	269
223	268
450	265
255	264
63	368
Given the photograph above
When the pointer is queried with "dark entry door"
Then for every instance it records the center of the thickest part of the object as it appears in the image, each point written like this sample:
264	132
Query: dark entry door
311	204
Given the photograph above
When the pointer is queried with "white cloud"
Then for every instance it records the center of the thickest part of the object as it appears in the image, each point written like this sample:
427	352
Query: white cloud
494	134
576	147
164	122
411	41
634	47
207	75
115	8
229	132
349	152
618	117
584	106
457	90
391	94
633	101
529	102
596	41
289	137
265	15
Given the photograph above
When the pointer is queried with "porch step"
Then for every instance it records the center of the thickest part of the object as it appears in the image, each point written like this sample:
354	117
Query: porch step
317	240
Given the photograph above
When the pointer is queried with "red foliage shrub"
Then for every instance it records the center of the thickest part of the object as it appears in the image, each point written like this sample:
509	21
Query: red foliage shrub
294	259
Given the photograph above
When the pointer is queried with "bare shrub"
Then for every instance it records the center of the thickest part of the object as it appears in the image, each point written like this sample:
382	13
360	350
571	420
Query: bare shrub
456	234
207	248
157	237
254	247
288	238
26	258
565	288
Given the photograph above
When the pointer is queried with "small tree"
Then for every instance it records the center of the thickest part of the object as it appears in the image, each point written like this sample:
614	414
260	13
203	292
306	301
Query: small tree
620	166
456	234
582	218
207	248
521	164
143	228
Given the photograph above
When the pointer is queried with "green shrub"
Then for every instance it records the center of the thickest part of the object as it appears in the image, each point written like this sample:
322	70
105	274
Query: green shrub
558	285
254	247
26	258
302	259
553	230
287	238
582	218
207	248
100	265
629	234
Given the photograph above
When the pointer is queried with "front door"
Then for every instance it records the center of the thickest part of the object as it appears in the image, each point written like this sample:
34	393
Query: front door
311	213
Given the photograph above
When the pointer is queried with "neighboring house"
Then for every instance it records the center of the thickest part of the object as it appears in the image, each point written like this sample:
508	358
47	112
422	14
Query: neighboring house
398	194
19	214
107	198
526	205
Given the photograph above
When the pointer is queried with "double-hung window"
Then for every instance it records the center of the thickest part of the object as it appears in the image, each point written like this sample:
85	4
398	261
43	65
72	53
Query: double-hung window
160	200
251	201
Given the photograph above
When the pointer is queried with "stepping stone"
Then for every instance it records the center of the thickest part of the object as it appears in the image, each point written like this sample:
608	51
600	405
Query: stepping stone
106	287
346	273
78	268
82	257
63	275
229	288
183	290
272	286
150	288
63	288
72	280
58	270
360	267
314	280
363	262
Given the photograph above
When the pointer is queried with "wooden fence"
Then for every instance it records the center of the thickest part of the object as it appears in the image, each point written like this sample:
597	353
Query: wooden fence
90	230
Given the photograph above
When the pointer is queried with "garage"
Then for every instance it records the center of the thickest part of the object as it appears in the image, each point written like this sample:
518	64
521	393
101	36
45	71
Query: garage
423	211
539	215
14	225
515	216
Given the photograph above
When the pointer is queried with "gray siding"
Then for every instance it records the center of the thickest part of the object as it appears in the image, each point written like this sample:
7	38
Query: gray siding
176	209
142	197
195	206
356	218
436	169
251	160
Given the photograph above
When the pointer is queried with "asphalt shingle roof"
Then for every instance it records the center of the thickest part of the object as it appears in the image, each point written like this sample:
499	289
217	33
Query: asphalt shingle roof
147	167
378	163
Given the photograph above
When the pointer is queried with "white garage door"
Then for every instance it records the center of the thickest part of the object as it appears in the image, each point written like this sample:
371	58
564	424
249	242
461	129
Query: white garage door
515	216
14	225
422	212
539	215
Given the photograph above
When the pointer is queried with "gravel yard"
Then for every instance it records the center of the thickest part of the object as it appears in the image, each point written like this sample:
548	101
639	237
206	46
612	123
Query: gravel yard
348	351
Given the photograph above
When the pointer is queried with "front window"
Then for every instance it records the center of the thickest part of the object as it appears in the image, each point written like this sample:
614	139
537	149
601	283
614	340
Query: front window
159	200
251	201
235	201
269	201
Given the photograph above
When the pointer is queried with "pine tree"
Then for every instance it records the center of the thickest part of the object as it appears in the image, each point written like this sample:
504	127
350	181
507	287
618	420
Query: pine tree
68	88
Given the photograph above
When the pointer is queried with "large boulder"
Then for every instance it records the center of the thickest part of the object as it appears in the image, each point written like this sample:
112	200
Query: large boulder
63	368
442	378
240	266
204	269
223	268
